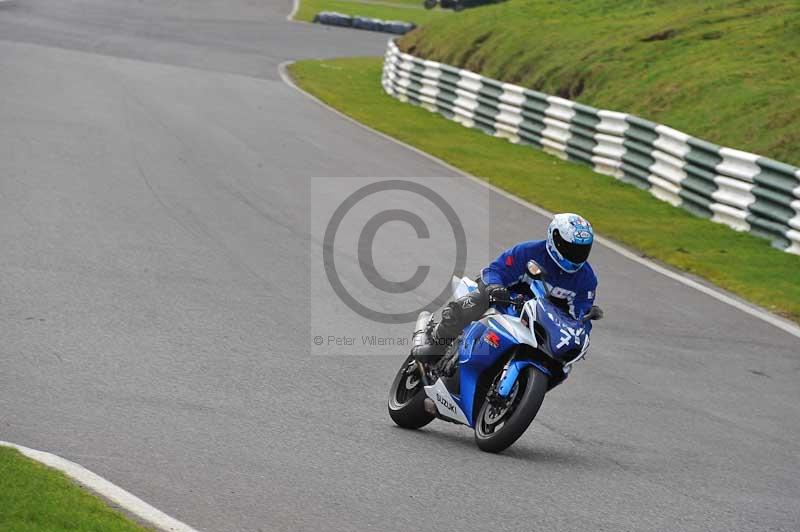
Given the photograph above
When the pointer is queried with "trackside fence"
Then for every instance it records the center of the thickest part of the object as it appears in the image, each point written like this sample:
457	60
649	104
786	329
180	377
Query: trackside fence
744	191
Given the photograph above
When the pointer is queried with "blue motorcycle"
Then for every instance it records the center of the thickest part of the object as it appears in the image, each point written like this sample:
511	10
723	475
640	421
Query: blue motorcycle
505	363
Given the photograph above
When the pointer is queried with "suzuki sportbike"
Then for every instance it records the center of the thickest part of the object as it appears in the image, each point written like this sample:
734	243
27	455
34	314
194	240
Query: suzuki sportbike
504	365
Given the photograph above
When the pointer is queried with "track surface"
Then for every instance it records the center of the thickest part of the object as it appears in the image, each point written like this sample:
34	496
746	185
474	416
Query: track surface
155	302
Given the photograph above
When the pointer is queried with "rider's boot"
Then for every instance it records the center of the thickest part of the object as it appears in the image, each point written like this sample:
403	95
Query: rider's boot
434	346
439	336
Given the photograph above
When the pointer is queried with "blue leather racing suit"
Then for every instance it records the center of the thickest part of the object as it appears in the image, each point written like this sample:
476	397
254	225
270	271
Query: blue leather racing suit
577	290
573	292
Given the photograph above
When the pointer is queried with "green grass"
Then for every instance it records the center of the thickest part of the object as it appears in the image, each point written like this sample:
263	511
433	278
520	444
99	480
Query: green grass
35	498
728	71
405	10
738	262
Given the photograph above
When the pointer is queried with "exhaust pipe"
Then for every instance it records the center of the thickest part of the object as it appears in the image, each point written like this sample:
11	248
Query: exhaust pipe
421	330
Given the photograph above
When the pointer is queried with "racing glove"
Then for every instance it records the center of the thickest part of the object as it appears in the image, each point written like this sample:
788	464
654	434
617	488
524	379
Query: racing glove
497	292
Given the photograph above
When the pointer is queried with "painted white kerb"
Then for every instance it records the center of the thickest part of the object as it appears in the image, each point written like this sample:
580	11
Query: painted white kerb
106	489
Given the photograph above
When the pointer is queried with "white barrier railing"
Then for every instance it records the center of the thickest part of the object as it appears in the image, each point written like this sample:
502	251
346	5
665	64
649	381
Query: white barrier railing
744	191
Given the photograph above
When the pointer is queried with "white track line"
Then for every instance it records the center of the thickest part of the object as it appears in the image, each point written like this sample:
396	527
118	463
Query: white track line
748	308
295	7
105	489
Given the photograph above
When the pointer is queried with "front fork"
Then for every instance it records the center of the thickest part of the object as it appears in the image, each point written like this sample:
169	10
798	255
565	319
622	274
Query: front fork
511	372
423	374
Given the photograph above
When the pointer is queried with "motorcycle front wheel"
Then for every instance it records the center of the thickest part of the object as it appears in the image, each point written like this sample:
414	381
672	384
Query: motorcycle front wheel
501	422
407	396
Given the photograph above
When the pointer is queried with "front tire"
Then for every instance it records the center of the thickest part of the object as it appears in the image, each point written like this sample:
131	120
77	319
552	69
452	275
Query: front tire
407	396
430	4
500	424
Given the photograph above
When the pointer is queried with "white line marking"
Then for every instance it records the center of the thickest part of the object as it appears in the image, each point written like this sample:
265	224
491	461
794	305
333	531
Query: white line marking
748	308
295	7
105	489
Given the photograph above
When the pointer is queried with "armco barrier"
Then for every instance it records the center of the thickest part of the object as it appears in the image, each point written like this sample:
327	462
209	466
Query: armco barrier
744	191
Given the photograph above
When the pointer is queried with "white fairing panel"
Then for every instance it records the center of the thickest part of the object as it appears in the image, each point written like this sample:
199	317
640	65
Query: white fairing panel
522	333
445	403
462	287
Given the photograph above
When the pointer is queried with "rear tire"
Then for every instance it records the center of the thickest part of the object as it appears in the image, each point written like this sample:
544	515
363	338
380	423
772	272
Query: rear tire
495	433
407	396
430	4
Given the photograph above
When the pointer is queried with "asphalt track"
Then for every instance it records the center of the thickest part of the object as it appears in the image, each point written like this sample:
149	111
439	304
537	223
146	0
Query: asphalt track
159	291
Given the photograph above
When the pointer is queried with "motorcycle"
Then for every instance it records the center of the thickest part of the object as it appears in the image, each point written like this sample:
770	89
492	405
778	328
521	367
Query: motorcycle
505	363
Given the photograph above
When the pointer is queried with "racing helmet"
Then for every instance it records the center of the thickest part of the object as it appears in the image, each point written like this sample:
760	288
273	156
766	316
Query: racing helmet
569	241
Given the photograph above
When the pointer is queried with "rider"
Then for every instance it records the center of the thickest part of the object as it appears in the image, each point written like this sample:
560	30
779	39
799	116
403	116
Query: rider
563	258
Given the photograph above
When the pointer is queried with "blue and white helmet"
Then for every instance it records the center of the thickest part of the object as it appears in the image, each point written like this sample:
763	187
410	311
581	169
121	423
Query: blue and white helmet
569	241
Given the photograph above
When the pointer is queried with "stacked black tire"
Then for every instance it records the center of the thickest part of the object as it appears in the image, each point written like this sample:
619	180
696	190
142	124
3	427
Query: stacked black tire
331	18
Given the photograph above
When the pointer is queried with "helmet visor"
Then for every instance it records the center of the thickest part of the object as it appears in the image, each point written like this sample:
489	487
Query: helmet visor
576	253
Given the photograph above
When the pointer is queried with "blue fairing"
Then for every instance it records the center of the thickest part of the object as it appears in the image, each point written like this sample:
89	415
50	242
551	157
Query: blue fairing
484	342
565	335
475	355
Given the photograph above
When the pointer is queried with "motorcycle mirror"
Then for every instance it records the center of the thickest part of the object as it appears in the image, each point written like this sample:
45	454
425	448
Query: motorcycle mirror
534	270
595	313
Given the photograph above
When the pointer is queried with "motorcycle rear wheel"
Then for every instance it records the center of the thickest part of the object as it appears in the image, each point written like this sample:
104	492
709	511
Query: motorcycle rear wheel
407	396
497	426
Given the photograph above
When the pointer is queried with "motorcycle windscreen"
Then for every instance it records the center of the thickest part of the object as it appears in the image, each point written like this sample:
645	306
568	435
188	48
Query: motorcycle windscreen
565	335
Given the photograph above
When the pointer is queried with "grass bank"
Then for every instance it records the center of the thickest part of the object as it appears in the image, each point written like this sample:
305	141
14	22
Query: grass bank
405	10
35	498
738	262
722	70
